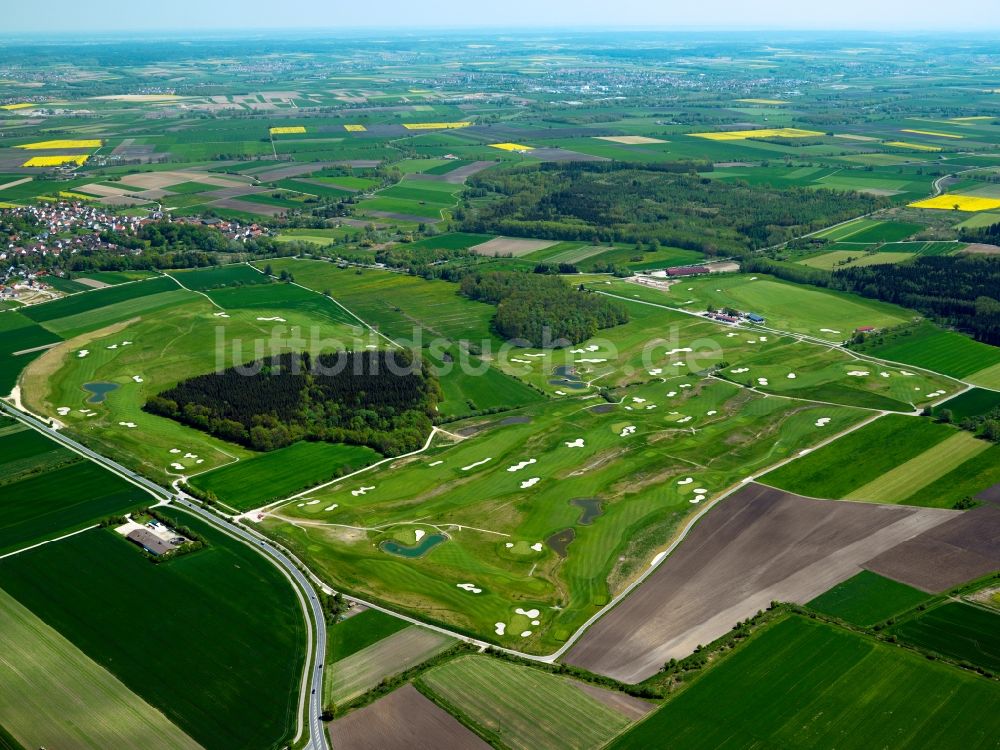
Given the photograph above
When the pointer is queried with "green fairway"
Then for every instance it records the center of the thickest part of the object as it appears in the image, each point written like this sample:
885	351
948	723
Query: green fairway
960	631
257	481
806	684
134	619
503	498
524	708
284	301
81	303
53	695
867	599
974	402
942	351
866	457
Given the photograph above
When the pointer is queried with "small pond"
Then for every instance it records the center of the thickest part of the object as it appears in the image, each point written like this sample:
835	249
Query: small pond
559	541
98	391
591	508
418	550
566	377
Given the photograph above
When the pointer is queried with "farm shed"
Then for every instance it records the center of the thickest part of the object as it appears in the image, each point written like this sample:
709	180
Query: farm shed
149	541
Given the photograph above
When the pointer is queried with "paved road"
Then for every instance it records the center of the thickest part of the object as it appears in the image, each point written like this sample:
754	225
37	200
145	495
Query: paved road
313	672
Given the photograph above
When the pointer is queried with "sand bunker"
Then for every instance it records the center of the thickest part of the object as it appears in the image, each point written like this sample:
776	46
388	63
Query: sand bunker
470	587
331	507
221	315
419	534
175	450
113	346
627	431
638	400
537	546
822	421
592	361
762	381
685	480
63	411
177	466
884	374
682	349
530	482
656	371
525	633
523	464
435	463
137	379
906	372
740	370
671	394
578	443
477	463
190	455
361	491
313	502
828	330
128	424
711	412
560	393
859	373
83	353
590	348
531	614
500	628
520	361
684	420
791	376
684	385
275	319
508	545
650	406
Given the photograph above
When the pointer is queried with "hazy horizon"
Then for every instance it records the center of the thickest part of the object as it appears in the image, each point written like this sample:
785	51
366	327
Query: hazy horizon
62	17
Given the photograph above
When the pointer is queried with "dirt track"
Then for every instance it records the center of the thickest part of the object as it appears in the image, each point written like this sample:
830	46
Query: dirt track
403	720
758	546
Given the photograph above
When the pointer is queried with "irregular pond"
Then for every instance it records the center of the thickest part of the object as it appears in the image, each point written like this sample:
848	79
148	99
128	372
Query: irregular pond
99	391
602	408
559	541
591	507
418	550
565	375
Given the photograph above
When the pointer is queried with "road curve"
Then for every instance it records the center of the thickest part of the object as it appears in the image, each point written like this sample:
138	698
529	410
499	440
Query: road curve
312	671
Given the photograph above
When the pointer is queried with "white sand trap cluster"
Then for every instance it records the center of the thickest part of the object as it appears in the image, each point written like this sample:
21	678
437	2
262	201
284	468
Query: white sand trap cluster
436	463
711	412
685	480
83	353
751	341
656	371
542	354
859	373
823	421
628	408
522	465
590	348
677	351
190	455
731	334
791	376
477	463
530	482
419	534
684	420
763	338
753	278
762	381
221	315
137	378
637	400
275	319
593	361
578	443
650	406
361	491
508	545
627	431
63	411
328	508
113	346
907	373
531	614
500	628
671	394
676	364
126	343
933	394
87	412
177	466
128	424
740	370
470	587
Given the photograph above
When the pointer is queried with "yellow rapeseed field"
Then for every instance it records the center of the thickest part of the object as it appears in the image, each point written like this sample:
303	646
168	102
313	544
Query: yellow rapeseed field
287	129
511	147
435	125
935	133
75	196
742	135
914	146
355	128
55	161
18	105
68	143
950	202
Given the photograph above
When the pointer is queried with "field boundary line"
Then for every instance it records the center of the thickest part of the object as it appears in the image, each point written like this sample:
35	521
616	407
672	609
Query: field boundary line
49	541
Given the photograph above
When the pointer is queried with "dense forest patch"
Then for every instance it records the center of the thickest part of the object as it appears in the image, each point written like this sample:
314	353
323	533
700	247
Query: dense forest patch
543	310
379	399
602	203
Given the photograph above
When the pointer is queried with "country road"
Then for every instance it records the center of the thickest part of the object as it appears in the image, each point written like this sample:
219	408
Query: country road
312	677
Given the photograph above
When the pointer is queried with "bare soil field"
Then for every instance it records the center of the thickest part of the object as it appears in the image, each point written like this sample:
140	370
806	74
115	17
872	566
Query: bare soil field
92	283
247	207
629	706
977	248
403	720
515	246
163	180
630	140
403	217
757	546
943	557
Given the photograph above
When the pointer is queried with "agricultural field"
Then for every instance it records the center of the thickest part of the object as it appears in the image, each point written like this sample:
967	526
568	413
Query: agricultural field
531	513
212	278
959	631
522	707
53	695
867	599
236	600
891	460
803	683
21	341
359	631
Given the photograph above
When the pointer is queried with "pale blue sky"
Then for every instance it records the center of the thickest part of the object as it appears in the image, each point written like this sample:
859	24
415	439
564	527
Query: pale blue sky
208	15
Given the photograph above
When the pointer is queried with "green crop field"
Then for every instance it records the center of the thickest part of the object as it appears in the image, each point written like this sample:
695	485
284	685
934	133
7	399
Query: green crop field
360	631
866	464
497	503
451	241
524	708
945	352
887	231
271	476
40	505
71	326
134	618
211	278
81	303
867	599
282	300
806	684
19	334
960	631
52	695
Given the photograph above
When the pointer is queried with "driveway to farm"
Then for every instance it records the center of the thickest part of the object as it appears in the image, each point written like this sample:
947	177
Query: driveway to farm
312	676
